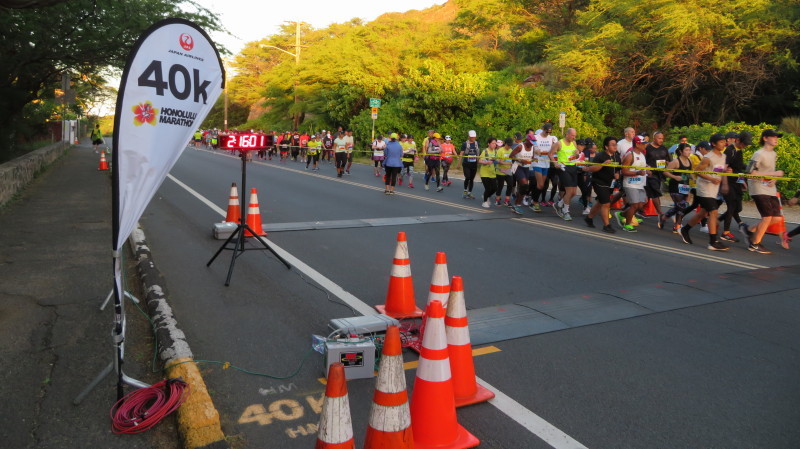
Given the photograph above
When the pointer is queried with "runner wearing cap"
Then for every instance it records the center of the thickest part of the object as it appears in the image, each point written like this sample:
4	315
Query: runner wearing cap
486	164
378	147
470	150
522	157
409	155
433	161
448	151
543	143
633	183
312	155
763	191
503	174
708	186
734	157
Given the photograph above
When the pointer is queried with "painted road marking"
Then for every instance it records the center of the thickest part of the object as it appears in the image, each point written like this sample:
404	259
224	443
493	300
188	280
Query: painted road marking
367	186
646	245
516	411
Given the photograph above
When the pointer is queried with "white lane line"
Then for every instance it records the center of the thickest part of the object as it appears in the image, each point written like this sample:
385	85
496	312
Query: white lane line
531	421
513	409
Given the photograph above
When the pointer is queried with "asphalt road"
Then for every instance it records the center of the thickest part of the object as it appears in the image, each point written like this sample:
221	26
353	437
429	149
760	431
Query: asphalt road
720	375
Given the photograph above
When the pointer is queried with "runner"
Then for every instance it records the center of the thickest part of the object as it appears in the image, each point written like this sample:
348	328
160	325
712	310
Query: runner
198	138
588	153
448	150
487	163
679	186
433	161
349	148
625	144
543	144
564	153
340	153
504	175
97	138
312	155
393	163
657	156
603	178
734	157
272	141
470	150
633	183
763	191
327	146
409	156
522	157
378	146
295	146
286	141
708	186
304	145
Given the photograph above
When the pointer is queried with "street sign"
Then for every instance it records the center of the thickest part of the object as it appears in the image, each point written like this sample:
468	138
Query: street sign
562	119
374	110
374	103
374	116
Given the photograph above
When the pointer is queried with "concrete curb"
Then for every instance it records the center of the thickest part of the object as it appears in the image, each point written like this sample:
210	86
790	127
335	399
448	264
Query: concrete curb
198	419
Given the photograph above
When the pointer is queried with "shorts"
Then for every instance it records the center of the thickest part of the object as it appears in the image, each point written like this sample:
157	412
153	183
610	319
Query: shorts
569	176
635	195
653	187
603	193
433	163
377	158
767	205
196	139
541	170
100	141
709	204
522	173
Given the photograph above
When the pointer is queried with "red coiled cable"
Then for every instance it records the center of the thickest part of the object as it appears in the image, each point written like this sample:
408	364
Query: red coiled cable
142	409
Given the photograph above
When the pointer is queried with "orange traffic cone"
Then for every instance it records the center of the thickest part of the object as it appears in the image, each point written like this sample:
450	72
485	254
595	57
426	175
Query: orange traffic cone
389	418
400	301
433	408
440	284
778	226
254	216
465	386
619	204
234	214
103	162
335	426
650	209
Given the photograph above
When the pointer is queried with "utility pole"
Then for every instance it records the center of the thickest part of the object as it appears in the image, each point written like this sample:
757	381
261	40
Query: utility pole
296	54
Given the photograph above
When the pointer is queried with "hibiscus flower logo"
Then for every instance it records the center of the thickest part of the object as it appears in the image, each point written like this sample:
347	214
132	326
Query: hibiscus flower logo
144	113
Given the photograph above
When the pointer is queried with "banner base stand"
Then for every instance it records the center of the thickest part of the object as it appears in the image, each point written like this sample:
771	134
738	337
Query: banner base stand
111	293
99	378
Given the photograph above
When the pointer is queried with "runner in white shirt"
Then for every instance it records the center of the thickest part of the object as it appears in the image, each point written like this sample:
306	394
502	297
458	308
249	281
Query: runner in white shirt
624	145
541	150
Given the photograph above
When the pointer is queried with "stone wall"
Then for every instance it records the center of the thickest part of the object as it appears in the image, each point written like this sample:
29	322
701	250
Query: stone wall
17	173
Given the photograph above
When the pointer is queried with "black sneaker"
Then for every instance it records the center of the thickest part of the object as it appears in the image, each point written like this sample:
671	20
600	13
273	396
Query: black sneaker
728	236
661	220
745	230
589	222
758	248
609	229
685	236
717	246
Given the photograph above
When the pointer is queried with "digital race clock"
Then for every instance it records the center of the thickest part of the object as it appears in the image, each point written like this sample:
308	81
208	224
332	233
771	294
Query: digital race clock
243	141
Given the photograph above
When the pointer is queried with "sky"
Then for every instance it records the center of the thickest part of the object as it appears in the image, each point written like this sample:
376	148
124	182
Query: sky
251	20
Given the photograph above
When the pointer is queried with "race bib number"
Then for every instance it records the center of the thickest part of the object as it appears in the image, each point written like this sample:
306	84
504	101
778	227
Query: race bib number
684	189
661	164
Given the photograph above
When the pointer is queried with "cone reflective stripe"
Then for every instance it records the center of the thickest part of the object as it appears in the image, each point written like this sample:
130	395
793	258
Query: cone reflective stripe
254	216
650	208
103	162
777	226
440	283
433	410
335	426
466	389
390	416
234	209
400	302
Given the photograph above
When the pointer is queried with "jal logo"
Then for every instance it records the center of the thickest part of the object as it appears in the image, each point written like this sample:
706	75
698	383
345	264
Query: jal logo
186	41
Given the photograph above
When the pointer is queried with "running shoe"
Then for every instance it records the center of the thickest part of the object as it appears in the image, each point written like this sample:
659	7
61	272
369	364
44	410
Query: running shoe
526	201
589	222
391	192
485	204
517	210
620	219
609	229
587	210
410	186
785	240
464	195
704	229
685	236
507	203
745	230
559	212
629	228
728	236
560	204
386	192
439	189
661	220
567	216
676	229
536	208
400	181
531	207
469	196
347	172
758	248
426	187
498	203
717	246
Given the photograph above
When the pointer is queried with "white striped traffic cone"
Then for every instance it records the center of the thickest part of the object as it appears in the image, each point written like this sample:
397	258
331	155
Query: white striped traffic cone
254	216
390	418
234	214
433	409
465	385
400	302
440	283
335	425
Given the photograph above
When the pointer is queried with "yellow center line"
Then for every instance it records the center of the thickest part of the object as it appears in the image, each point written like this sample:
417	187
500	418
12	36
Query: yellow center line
646	245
